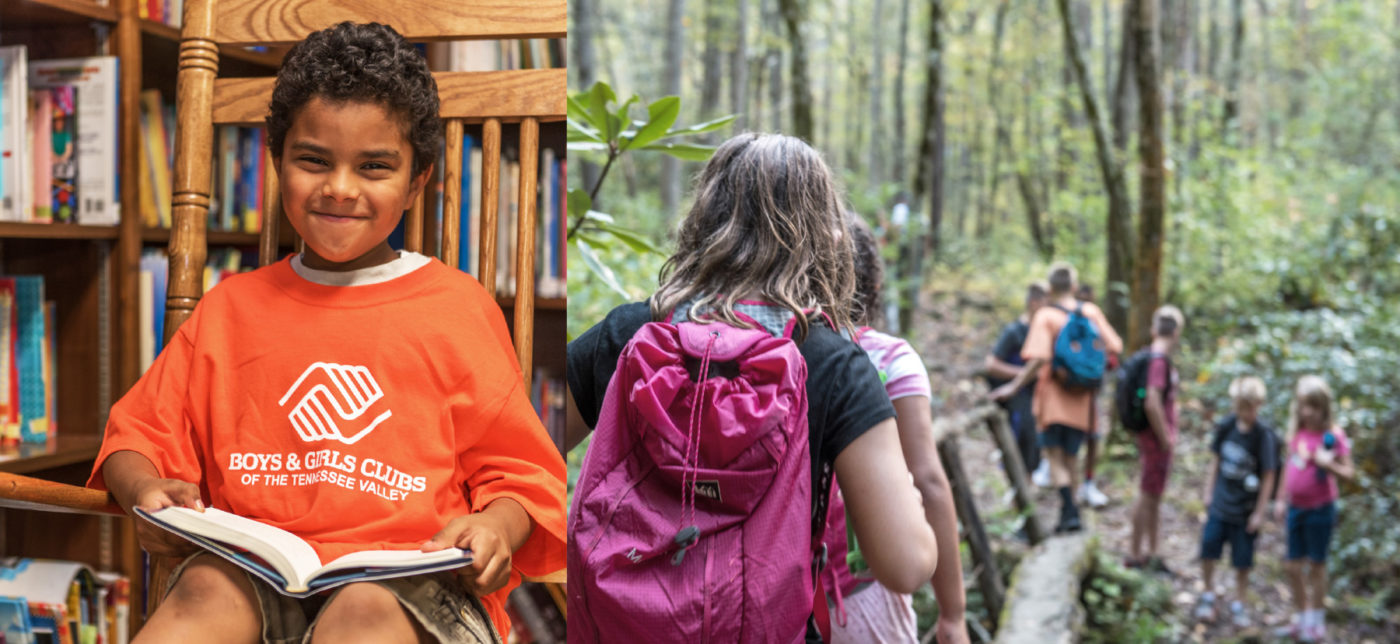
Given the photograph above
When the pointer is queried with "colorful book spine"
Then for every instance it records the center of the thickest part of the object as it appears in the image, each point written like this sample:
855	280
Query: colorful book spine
41	127
29	354
14	94
64	140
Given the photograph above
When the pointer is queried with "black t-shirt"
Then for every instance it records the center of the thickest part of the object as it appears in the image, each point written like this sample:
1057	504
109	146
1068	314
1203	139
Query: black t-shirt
1008	350
1244	459
845	397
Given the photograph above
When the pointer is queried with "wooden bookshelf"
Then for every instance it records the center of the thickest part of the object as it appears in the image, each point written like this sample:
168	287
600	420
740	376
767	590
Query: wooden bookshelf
62	450
65	13
170	33
20	230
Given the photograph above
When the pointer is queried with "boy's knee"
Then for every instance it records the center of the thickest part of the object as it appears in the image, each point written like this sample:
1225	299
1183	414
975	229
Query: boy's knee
1317	568
212	582
363	610
1293	566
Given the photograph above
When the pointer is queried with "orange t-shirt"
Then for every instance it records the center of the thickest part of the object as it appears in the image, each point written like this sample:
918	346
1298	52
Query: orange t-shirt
356	417
1053	404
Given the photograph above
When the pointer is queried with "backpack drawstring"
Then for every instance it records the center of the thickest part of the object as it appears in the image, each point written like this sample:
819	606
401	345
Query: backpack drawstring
690	468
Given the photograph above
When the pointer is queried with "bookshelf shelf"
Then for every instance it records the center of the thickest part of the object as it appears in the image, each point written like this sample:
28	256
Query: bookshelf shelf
215	237
22	230
171	33
54	12
63	450
507	302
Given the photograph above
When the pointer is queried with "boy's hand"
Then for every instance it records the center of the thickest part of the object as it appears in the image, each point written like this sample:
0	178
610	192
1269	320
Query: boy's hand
1001	393
1324	458
491	536
153	494
1255	521
1280	511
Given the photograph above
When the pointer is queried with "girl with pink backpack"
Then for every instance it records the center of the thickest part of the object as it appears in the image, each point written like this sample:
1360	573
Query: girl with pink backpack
721	409
864	610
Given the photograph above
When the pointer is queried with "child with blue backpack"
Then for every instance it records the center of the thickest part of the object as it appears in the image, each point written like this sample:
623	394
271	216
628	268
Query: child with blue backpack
721	408
1066	352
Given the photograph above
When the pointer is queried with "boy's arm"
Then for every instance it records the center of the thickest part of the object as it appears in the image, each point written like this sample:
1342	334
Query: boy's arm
1340	465
492	535
884	510
1261	502
1157	417
1025	375
1210	479
135	482
1001	369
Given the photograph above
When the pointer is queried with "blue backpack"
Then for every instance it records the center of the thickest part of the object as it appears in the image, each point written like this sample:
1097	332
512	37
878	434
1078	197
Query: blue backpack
1080	355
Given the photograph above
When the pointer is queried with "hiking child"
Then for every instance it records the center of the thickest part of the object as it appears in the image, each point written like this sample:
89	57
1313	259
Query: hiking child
1089	491
864	610
1002	365
417	351
1242	474
1157	442
1318	454
664	510
1066	354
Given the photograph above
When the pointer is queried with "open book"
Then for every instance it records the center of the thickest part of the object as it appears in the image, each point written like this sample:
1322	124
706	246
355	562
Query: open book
287	562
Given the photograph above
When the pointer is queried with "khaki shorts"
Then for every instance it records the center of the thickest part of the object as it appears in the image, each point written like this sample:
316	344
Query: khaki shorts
436	601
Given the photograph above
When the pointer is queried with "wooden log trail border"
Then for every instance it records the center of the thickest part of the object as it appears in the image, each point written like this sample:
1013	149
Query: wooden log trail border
946	431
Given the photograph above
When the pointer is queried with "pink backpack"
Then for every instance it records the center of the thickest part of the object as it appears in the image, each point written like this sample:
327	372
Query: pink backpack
691	522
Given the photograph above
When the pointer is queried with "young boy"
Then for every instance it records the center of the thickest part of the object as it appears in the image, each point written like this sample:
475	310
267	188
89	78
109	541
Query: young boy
433	442
1241	477
1002	365
1063	414
1156	444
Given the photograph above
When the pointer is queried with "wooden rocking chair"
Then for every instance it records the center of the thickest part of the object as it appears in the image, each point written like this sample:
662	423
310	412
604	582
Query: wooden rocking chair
527	97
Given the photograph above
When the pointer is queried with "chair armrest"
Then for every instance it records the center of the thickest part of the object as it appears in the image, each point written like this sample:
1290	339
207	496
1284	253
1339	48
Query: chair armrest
27	493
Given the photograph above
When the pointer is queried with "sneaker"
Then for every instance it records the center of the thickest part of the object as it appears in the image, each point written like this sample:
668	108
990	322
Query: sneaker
1205	609
1041	476
1089	493
1291	631
1157	565
1069	523
1238	616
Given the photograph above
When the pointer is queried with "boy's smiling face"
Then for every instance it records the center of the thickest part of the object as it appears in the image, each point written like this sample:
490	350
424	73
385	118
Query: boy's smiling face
346	174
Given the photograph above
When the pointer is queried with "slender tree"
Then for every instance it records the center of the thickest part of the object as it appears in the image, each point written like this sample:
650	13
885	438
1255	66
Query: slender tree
1147	266
584	64
1118	220
711	61
1229	110
675	48
794	13
929	181
739	68
899	146
874	161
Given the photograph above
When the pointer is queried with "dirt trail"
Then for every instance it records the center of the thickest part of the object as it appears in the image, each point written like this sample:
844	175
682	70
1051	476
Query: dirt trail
954	341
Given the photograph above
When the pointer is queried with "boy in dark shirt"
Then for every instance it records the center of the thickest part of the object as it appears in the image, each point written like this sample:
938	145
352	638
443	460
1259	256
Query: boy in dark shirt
1241	476
1002	366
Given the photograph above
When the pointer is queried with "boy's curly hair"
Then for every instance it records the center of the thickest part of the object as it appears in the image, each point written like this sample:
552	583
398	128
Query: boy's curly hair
359	62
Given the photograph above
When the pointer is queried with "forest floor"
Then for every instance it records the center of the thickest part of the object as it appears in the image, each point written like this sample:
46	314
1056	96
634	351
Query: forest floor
955	337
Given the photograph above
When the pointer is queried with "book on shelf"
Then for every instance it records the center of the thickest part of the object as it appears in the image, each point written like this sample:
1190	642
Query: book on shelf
154	270
9	365
287	562
235	203
83	136
32	351
63	602
547	395
15	198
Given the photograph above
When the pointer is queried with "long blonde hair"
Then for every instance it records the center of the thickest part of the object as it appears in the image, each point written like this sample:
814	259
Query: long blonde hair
1314	391
767	224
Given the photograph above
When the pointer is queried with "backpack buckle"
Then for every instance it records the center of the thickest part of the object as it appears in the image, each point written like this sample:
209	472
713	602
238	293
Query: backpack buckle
819	560
686	538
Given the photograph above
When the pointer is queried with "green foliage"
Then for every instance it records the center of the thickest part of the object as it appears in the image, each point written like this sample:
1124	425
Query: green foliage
1122	605
621	259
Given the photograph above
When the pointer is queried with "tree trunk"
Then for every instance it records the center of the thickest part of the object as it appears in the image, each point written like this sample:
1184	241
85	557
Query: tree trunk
999	129
931	149
675	49
1229	112
854	139
712	74
899	146
584	67
1125	89
739	68
1213	41
1265	77
1148	262
773	59
793	15
1119	217
875	155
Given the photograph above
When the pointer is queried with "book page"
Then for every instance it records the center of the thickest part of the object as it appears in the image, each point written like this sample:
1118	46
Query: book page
394	559
286	552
